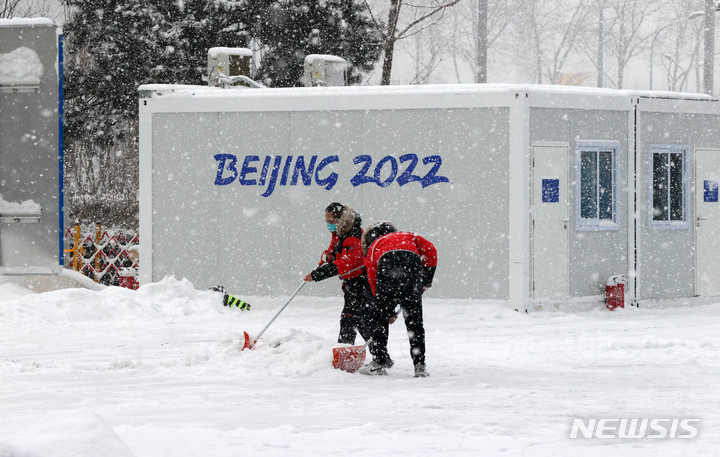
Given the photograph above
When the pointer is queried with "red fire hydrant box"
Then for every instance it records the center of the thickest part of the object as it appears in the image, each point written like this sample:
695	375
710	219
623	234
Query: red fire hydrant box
615	292
128	278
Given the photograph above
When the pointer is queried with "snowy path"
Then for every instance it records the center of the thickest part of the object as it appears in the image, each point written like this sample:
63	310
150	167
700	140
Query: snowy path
158	372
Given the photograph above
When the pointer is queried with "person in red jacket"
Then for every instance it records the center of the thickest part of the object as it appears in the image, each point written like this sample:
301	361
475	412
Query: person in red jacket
400	266
344	258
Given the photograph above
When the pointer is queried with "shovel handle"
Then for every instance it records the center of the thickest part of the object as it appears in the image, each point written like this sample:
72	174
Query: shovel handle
364	346
281	310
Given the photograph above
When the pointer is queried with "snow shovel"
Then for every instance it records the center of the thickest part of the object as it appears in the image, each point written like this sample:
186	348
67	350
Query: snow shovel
351	358
250	342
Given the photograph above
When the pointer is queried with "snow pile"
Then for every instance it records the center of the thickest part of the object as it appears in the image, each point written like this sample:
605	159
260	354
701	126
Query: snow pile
159	371
28	207
20	66
70	433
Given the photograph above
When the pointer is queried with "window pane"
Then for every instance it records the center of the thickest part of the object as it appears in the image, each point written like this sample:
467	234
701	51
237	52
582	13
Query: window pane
588	185
660	185
605	186
676	187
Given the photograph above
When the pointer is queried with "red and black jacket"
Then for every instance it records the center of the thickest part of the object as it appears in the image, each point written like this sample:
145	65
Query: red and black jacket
348	261
401	241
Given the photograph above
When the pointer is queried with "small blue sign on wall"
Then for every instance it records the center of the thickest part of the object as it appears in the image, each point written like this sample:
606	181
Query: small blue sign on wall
711	191
550	190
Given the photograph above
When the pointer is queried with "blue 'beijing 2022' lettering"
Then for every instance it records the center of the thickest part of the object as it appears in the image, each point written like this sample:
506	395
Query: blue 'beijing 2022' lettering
275	171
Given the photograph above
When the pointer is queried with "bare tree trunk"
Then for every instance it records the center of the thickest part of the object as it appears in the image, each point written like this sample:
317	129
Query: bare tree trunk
394	33
709	50
601	41
482	42
538	61
387	63
389	48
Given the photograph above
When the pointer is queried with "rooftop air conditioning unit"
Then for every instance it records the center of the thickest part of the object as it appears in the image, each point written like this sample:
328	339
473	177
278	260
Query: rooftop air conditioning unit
324	70
227	66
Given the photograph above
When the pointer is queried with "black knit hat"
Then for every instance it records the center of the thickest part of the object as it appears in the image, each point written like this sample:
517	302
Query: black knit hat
336	209
375	231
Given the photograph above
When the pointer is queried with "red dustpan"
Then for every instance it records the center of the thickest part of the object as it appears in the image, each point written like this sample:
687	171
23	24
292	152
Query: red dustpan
249	342
350	358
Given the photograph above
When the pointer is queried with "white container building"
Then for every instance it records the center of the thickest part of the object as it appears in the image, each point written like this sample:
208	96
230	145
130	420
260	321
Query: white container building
533	195
30	146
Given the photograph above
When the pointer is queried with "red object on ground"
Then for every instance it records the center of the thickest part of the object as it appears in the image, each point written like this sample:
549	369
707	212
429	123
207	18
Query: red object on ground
128	281
249	343
615	293
350	358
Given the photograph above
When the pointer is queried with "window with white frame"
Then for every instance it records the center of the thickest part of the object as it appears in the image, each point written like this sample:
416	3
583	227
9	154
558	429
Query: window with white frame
668	177
597	185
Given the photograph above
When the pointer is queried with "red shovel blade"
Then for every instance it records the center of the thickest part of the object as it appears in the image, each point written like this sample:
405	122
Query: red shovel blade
249	343
349	359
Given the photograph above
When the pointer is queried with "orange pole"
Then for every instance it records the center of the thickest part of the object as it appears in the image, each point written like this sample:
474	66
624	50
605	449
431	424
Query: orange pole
76	253
98	229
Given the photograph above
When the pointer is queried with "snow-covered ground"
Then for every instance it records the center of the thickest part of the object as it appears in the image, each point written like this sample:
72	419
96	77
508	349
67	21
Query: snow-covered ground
159	372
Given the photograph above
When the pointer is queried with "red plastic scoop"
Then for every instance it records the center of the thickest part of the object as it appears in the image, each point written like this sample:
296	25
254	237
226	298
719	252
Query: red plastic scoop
350	358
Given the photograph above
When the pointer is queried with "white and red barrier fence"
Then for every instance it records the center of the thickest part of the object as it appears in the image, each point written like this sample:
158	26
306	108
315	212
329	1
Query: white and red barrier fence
106	258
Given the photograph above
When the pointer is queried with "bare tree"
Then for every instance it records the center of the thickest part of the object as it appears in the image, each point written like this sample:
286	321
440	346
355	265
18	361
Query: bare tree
545	35
428	55
51	9
681	51
567	23
625	22
519	46
446	52
8	7
460	33
405	20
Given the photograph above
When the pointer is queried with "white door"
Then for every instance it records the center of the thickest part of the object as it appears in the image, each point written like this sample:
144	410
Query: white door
707	222
550	223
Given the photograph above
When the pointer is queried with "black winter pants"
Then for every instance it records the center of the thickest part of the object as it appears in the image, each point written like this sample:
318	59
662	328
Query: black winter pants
399	283
358	300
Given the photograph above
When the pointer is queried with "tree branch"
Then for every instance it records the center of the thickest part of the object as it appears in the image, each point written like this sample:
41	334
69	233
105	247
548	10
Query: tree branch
436	10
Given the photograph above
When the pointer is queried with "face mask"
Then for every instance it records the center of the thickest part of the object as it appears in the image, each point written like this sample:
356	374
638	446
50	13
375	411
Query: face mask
332	227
